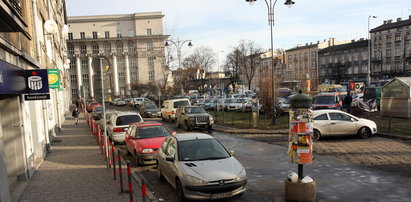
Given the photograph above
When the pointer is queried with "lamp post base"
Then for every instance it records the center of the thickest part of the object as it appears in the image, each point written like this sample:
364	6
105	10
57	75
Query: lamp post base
274	117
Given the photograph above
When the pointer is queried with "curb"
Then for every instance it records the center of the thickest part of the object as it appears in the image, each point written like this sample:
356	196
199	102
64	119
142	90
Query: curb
150	195
393	136
248	131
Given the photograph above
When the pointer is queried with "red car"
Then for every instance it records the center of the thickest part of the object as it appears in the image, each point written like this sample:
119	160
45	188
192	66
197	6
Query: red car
143	140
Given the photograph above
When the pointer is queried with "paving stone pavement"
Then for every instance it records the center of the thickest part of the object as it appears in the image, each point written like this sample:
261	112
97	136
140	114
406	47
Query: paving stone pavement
75	170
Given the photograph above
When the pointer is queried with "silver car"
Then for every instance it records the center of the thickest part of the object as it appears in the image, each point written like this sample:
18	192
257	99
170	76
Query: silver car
199	167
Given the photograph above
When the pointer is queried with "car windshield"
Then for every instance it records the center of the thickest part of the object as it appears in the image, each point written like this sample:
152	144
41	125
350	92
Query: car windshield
194	110
324	100
127	119
181	103
201	149
152	131
150	105
98	109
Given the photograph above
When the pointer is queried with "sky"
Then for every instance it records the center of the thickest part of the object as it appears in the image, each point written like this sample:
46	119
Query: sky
221	24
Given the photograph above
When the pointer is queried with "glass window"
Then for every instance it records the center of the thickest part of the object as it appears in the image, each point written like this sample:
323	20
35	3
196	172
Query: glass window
149	32
95	35
82	35
70	36
165	143
151	132
131	33
340	117
201	149
321	117
150	46
119	47
83	49
106	34
150	61
95	48
70	49
151	75
83	64
119	34
181	103
127	119
194	110
107	48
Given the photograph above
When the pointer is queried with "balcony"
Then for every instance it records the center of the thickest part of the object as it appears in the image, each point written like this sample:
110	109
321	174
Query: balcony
11	17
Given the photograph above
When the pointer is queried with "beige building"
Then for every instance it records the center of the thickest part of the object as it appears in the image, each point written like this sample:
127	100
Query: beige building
31	41
302	64
391	50
132	43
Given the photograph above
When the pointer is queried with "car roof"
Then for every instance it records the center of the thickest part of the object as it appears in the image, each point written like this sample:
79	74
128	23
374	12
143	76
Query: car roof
191	136
328	94
121	113
147	123
322	111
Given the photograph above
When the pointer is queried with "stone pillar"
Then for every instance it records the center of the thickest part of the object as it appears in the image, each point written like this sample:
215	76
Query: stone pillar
128	83
90	76
115	77
78	70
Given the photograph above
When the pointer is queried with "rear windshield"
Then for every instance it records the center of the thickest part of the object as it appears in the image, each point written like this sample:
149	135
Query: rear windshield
127	119
324	100
181	103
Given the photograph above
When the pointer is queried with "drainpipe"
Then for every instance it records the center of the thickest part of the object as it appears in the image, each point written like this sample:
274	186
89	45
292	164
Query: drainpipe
36	35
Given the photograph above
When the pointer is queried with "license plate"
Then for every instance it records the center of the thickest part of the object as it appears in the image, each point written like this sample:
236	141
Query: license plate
221	195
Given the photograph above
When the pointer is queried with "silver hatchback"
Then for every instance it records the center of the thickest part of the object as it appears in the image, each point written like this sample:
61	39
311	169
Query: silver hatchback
199	167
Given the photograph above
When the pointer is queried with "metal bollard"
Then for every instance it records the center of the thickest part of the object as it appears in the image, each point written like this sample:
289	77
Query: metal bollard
114	160
109	153
120	171
143	190
130	184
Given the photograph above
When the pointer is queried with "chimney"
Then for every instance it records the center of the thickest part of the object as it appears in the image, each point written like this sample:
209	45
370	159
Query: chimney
398	19
385	22
389	21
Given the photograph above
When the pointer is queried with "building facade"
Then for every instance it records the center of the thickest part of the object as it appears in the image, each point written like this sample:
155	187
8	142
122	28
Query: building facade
302	64
344	63
131	45
391	50
31	40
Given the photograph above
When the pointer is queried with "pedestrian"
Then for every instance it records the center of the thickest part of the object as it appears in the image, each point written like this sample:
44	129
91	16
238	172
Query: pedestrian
75	114
347	102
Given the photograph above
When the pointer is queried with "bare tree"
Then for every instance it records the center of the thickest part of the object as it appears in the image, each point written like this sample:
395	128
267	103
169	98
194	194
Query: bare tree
204	57
232	66
250	60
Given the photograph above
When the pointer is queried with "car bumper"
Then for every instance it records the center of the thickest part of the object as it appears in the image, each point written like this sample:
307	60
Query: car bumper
147	158
215	191
118	137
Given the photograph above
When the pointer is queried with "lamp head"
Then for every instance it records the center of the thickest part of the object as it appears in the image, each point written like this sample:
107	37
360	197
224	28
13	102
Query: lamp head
289	3
250	1
166	44
190	44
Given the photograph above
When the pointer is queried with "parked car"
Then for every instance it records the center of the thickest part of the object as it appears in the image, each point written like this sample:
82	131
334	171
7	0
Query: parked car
336	122
119	102
194	117
89	103
136	102
149	109
200	167
143	140
238	104
101	121
284	107
327	101
92	105
118	124
169	108
97	112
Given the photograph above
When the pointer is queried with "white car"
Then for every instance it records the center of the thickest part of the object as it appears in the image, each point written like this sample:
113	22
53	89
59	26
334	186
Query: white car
118	124
336	122
238	104
199	167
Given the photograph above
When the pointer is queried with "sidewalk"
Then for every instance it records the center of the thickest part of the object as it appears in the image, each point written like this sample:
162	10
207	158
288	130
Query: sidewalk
75	170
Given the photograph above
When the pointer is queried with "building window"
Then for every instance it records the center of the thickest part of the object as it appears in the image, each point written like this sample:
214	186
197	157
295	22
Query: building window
70	49
74	93
72	64
133	76
95	35
150	46
150	62
119	47
82	35
83	49
398	37
73	78
119	35
131	47
131	33
106	34
121	76
107	48
133	62
151	75
149	32
70	36
95	48
120	63
85	78
83	64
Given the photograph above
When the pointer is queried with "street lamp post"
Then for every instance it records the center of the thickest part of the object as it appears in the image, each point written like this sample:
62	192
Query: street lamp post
369	52
179	44
270	8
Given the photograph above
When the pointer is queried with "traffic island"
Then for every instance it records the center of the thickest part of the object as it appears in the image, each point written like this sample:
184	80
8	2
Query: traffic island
300	191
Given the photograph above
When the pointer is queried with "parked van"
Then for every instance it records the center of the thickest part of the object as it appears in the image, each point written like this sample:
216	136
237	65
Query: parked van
327	101
169	108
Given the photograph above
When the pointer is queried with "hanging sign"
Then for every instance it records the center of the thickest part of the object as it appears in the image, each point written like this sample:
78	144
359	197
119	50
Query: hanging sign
54	78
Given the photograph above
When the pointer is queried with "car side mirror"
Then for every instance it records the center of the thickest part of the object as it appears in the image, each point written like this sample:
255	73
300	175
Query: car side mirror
173	133
170	158
352	119
232	152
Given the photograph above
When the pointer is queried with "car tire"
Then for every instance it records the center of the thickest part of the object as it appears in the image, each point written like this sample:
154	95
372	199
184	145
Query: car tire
364	133
316	135
180	191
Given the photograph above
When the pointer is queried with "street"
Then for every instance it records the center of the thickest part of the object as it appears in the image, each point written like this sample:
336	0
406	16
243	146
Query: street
345	168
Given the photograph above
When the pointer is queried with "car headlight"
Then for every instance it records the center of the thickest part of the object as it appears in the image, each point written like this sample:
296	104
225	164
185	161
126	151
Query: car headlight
241	176
192	118
147	150
195	181
211	120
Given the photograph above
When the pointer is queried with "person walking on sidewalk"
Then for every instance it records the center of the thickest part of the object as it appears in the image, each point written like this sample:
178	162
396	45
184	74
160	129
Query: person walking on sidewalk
347	102
75	115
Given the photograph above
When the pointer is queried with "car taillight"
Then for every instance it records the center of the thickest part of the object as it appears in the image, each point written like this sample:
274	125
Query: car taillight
172	112
118	130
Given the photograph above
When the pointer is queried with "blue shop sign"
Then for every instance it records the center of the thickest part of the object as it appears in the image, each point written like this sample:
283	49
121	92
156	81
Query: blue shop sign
14	80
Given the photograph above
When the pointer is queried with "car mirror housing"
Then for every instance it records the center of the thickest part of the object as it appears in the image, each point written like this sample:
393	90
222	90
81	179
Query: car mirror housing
232	152
170	158
173	133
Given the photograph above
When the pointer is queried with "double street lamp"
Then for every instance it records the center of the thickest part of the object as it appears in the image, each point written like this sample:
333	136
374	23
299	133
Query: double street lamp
179	44
270	6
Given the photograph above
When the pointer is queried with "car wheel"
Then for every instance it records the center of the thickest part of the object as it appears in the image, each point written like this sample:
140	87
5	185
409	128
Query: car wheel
316	135
180	191
364	132
159	174
209	128
188	127
138	161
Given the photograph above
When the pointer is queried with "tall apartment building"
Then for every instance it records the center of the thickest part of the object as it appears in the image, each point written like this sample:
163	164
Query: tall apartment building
391	50
343	63
132	43
302	65
27	48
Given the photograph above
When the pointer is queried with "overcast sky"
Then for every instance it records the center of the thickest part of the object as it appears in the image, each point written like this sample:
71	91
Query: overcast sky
220	24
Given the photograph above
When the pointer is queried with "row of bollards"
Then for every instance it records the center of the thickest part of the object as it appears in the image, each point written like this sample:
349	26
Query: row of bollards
108	151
